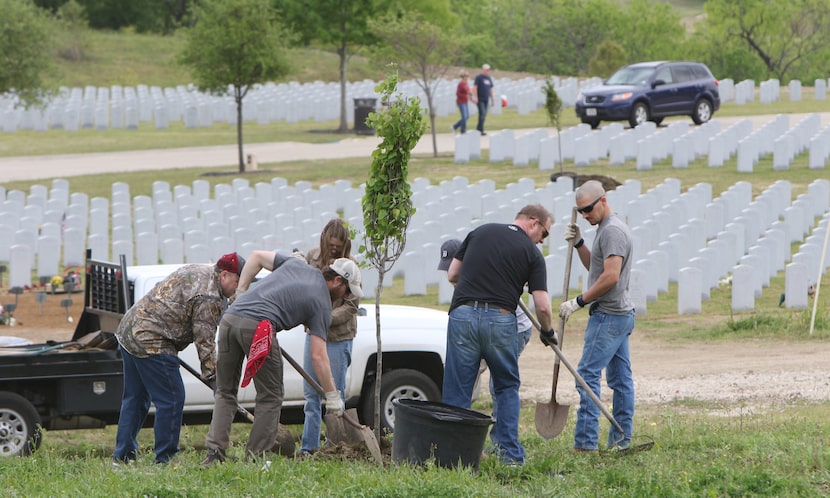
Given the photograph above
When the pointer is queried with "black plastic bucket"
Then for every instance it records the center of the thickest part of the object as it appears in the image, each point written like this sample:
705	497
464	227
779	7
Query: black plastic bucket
424	429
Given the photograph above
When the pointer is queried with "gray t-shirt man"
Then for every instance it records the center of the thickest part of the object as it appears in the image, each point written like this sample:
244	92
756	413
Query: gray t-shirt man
308	301
613	239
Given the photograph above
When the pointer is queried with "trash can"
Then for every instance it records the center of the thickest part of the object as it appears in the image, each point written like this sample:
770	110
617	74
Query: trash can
362	108
425	429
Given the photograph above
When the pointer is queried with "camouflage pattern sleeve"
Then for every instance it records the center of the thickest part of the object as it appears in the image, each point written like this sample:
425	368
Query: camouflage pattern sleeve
207	310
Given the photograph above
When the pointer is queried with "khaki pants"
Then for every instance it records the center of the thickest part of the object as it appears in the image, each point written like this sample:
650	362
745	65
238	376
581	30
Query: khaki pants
233	343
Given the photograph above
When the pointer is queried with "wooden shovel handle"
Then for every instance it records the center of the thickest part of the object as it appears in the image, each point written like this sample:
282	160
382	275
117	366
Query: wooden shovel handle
565	287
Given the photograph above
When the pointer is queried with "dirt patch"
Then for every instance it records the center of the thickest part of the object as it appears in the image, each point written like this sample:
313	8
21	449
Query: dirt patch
39	322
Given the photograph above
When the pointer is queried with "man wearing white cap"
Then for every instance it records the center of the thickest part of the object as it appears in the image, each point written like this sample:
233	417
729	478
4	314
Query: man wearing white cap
483	95
293	293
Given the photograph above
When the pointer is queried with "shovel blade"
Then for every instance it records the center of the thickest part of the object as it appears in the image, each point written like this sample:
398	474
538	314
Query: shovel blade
345	429
551	418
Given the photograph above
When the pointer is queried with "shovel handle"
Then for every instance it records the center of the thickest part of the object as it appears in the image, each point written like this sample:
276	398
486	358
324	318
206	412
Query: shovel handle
241	409
565	288
313	383
317	387
576	375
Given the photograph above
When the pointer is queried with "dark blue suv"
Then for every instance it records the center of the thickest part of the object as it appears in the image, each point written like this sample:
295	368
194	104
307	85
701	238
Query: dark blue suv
650	91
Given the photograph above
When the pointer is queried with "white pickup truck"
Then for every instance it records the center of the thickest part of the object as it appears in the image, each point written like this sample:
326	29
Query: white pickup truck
413	340
56	387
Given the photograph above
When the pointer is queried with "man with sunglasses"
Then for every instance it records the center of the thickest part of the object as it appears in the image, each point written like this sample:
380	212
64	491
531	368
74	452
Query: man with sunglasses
293	293
490	270
610	321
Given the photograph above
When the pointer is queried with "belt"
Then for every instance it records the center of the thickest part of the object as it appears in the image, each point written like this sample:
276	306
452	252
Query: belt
486	306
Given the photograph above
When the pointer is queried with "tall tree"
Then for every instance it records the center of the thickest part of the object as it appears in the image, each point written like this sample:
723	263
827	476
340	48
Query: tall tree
26	45
234	45
422	51
341	24
783	34
387	203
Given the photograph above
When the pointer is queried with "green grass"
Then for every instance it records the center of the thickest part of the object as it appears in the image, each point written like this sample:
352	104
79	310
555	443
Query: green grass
778	451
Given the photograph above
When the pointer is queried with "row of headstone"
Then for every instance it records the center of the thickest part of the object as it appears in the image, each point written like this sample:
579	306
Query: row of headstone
120	107
673	230
649	145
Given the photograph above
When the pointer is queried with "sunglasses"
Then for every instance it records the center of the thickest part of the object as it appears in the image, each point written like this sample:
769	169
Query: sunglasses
545	232
589	207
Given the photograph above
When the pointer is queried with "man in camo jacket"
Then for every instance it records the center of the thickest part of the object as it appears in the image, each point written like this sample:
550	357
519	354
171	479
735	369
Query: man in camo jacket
183	308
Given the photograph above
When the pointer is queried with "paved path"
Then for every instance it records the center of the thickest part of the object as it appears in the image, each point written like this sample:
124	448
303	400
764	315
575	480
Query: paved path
64	166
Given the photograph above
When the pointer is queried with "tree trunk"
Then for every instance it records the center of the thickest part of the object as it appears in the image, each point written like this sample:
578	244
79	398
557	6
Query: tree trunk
379	365
238	97
344	123
428	91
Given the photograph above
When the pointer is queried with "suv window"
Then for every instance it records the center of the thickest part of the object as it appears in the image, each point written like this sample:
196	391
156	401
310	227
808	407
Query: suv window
700	72
664	73
682	73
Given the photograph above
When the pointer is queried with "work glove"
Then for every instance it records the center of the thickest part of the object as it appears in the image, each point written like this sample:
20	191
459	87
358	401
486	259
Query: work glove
334	403
568	307
548	337
572	233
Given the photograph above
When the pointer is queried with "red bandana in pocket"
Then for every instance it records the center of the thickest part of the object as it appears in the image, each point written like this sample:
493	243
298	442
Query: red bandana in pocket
260	346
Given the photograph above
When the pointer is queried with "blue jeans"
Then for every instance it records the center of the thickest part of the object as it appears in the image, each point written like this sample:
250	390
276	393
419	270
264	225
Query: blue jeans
522	338
482	114
606	346
155	379
340	357
465	115
485	332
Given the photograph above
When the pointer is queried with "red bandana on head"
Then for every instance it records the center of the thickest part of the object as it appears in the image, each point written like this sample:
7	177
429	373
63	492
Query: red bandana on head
260	346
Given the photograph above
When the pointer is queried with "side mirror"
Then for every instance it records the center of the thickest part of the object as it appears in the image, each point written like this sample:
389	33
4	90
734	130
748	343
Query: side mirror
657	83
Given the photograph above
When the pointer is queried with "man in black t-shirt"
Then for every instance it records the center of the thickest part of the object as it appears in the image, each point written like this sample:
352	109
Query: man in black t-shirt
489	271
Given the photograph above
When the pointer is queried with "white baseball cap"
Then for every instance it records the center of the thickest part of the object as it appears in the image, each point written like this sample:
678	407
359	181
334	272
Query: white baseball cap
348	269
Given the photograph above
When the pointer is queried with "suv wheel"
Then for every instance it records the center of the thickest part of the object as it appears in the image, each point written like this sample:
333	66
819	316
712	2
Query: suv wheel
702	112
399	383
639	114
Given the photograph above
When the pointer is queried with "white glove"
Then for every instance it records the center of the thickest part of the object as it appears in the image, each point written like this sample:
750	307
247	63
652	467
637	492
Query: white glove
567	308
572	232
334	403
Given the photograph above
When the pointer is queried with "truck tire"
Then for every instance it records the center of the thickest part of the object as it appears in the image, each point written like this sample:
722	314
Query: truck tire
19	426
400	383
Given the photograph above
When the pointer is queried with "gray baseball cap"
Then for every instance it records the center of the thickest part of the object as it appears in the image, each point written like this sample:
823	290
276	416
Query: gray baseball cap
448	250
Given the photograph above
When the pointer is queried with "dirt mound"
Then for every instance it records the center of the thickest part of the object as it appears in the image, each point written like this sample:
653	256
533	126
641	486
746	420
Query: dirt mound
42	321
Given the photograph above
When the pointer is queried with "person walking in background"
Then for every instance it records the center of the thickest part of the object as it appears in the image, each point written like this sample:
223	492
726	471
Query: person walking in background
610	321
334	243
183	308
293	293
483	95
524	326
462	96
490	270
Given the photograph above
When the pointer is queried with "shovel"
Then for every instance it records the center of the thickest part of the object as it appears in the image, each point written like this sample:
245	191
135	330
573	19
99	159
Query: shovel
576	375
639	447
241	409
551	417
351	432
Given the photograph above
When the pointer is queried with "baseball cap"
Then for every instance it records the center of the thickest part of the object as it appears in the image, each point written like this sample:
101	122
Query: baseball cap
231	262
448	250
348	269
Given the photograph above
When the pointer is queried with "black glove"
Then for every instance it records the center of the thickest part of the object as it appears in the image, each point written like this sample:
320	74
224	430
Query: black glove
548	337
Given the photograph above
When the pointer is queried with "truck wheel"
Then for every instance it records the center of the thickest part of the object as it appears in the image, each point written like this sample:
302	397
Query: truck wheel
400	383
19	426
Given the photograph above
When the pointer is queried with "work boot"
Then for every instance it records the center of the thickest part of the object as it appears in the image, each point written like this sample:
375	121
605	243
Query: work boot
214	455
